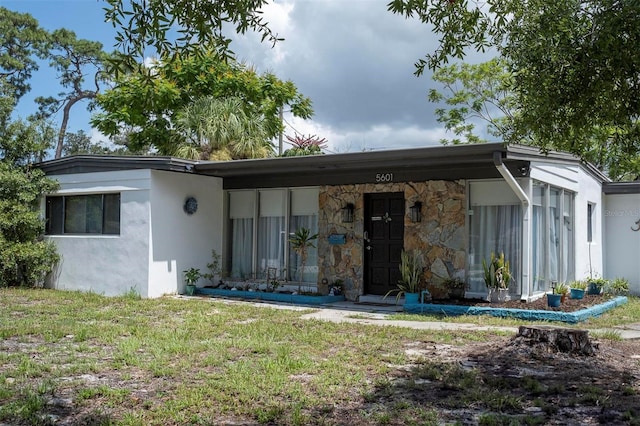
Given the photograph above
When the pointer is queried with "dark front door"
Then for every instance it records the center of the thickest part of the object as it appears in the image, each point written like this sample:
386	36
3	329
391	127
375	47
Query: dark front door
384	240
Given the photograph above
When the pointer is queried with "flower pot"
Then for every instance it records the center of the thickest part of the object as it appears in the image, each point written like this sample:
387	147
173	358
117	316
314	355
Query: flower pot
577	293
563	297
594	288
190	289
553	300
411	298
498	295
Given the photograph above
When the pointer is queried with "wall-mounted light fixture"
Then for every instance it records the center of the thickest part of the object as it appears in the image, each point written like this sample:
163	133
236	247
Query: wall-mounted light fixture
415	212
347	213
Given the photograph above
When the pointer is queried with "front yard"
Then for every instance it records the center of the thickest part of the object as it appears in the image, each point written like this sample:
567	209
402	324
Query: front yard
73	358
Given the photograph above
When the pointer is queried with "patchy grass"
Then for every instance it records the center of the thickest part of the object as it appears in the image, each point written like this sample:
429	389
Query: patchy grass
78	358
81	356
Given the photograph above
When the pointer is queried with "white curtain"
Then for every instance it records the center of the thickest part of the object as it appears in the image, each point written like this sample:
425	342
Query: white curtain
539	245
568	270
271	240
495	229
241	248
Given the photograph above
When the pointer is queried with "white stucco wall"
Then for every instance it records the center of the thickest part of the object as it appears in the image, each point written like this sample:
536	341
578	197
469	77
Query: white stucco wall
107	264
622	243
179	241
588	189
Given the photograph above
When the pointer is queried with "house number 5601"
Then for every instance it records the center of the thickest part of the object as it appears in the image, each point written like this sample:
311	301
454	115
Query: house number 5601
384	177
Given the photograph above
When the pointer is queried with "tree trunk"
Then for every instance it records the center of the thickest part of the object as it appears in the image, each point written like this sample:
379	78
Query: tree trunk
557	339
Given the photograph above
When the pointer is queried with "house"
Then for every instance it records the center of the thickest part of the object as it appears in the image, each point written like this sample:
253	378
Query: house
136	223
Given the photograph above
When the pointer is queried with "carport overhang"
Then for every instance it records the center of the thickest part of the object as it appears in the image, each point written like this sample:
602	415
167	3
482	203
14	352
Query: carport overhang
418	164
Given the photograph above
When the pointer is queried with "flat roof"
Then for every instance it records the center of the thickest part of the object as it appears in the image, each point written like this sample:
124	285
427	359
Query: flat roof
450	162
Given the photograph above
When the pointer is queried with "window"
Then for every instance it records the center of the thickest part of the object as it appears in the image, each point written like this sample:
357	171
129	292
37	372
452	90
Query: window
590	214
241	211
553	236
83	214
495	227
261	223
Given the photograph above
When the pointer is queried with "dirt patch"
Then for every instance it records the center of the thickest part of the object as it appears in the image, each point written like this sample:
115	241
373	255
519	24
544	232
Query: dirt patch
510	381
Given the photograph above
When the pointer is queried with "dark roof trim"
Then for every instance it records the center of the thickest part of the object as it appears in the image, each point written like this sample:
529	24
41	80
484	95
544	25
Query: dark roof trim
104	163
433	162
621	187
405	158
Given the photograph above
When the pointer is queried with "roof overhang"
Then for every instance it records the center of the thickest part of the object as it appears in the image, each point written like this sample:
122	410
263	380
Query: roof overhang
416	164
437	162
108	163
632	187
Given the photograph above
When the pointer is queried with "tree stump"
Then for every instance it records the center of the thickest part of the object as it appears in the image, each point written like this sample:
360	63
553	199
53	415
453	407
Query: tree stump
557	339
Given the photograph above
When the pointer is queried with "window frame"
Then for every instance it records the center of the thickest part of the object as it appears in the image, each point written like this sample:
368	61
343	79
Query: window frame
57	214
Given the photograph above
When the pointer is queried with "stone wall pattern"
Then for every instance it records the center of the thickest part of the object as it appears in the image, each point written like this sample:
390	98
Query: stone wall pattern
441	233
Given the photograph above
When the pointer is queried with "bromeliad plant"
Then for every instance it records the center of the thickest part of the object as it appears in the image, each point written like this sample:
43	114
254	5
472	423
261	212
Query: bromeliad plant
411	266
301	241
497	273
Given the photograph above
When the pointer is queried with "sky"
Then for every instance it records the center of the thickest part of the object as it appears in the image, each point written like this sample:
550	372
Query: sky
352	58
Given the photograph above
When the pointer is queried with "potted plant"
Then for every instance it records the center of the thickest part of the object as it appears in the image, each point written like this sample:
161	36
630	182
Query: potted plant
578	288
411	265
301	241
554	298
456	287
563	290
497	276
596	285
336	288
191	277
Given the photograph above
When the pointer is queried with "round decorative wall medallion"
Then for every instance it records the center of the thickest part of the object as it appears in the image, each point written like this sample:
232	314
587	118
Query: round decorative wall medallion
190	205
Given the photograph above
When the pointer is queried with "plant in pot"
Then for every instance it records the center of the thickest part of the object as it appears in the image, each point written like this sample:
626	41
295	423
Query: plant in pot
191	277
411	266
301	241
596	285
456	288
497	276
578	288
563	290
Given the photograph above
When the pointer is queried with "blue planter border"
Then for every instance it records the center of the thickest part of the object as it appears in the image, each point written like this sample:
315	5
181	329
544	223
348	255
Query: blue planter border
526	314
272	297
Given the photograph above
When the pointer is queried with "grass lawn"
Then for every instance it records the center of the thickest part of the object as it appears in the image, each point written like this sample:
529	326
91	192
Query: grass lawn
78	358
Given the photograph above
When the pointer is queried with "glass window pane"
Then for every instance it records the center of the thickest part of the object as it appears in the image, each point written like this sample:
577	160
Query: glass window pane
495	229
272	235
554	235
568	271
304	214
241	212
241	248
53	215
111	216
83	214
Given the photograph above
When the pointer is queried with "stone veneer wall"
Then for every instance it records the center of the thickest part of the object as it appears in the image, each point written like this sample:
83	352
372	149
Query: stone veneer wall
441	233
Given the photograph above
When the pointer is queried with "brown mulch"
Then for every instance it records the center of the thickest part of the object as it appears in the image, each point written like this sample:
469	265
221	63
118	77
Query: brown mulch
568	305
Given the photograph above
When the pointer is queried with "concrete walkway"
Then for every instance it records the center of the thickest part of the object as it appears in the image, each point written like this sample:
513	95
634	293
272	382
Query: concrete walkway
378	314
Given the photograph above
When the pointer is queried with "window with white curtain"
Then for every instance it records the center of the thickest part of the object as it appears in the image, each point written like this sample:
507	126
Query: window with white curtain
539	236
241	213
304	214
495	226
261	224
553	236
272	235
